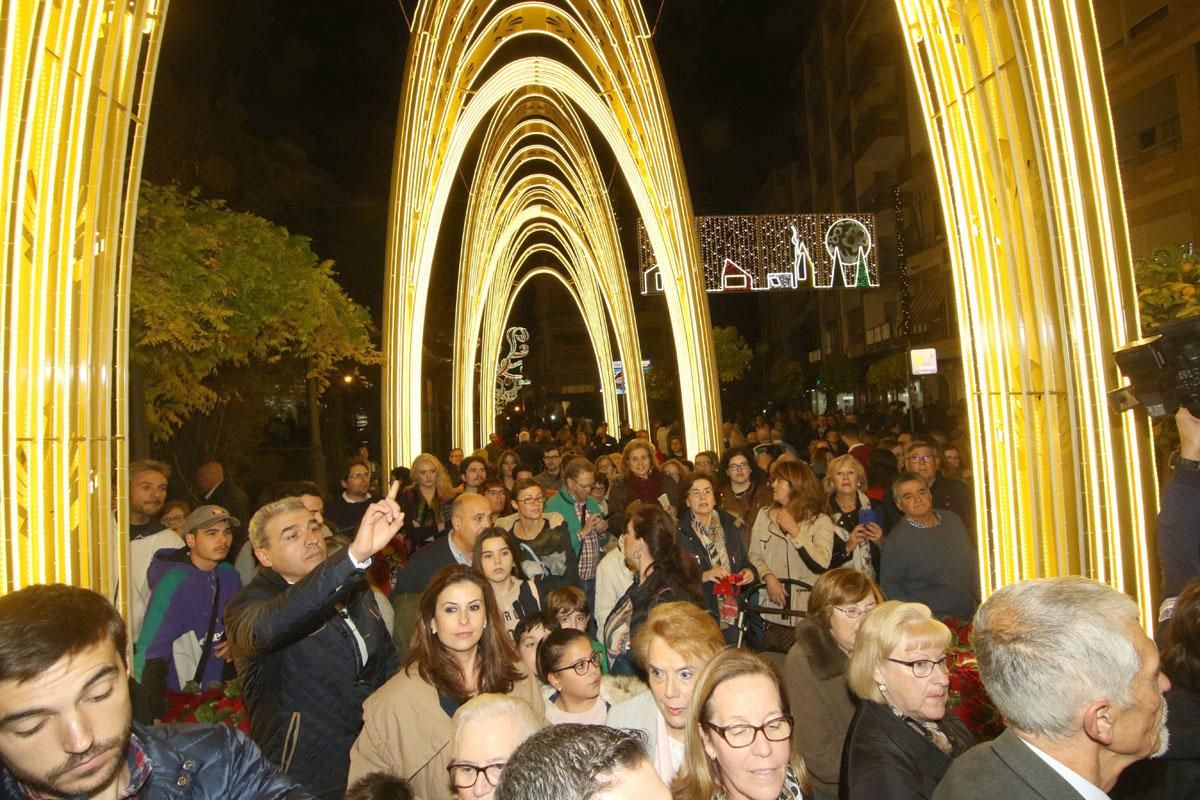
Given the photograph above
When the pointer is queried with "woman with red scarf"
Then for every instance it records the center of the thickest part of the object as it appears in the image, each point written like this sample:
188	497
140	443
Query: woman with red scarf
642	481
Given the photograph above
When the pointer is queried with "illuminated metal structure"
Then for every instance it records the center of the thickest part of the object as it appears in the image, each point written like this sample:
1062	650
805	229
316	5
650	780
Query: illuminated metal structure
74	93
1016	110
466	60
1022	141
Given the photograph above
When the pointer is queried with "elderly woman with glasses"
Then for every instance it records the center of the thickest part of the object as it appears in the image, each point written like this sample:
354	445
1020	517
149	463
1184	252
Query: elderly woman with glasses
815	672
712	537
487	729
901	740
739	735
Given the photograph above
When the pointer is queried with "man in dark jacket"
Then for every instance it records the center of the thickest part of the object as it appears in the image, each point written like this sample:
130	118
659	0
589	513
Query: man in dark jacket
65	715
308	640
948	494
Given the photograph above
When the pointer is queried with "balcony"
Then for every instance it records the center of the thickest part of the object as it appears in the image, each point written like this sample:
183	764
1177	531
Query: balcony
879	137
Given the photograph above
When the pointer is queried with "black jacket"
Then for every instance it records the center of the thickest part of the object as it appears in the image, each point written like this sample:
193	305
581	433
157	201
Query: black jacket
303	679
198	762
884	758
733	546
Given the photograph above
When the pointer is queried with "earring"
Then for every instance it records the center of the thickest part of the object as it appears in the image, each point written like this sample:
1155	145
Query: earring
882	689
433	629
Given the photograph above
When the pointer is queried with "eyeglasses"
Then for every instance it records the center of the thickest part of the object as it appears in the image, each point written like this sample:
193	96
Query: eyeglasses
774	730
581	666
854	612
740	465
921	459
587	487
531	501
464	776
700	492
923	667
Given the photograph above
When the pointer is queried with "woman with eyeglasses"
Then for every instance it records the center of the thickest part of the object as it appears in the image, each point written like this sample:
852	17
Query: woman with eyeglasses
487	729
569	665
459	648
815	671
739	735
744	489
711	536
901	740
544	540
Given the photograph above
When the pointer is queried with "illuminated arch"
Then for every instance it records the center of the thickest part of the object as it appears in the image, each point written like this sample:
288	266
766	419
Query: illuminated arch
619	92
1014	101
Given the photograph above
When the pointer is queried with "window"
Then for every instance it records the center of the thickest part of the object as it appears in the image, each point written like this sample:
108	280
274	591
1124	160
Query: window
1143	21
1147	125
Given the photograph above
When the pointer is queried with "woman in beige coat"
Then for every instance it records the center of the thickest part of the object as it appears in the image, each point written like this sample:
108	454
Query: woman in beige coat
792	538
458	650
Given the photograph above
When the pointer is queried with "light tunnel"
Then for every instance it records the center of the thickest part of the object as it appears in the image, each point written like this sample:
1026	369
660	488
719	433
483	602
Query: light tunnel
1013	99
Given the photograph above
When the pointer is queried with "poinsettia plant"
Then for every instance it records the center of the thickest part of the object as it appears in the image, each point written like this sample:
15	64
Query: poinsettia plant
968	697
217	705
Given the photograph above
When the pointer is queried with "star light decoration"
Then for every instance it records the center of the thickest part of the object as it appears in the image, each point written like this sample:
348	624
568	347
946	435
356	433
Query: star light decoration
777	252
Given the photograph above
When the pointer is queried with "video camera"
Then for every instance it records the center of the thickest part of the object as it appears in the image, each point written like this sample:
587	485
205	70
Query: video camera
1163	370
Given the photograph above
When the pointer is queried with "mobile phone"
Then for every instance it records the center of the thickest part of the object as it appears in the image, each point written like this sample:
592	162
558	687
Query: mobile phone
868	515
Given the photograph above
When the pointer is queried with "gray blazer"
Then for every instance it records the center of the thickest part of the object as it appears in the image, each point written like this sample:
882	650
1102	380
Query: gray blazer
1004	769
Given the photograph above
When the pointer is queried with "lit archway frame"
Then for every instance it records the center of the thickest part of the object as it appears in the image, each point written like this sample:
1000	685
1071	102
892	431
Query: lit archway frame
74	95
534	155
619	90
1018	119
528	232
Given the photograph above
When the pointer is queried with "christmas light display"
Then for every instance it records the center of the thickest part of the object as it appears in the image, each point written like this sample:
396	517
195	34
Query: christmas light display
509	378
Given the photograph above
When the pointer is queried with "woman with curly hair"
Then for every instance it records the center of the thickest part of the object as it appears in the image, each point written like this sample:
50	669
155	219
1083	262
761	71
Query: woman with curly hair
459	648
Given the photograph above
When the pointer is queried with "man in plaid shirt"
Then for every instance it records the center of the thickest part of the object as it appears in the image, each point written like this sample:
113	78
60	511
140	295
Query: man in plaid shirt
586	523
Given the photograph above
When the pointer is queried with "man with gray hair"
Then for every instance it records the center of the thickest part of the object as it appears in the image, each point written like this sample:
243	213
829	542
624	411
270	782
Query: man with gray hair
581	762
308	640
1067	664
487	729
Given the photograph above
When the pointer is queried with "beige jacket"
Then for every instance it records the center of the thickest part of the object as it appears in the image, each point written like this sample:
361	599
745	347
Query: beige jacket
773	551
407	733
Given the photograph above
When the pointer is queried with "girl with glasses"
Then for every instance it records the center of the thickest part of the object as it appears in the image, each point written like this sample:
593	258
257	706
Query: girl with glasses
739	735
901	740
744	489
815	672
567	662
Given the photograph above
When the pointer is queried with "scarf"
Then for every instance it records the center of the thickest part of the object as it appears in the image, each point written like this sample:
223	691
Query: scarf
790	790
645	489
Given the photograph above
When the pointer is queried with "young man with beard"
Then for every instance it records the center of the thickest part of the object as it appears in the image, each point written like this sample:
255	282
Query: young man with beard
66	725
183	635
308	639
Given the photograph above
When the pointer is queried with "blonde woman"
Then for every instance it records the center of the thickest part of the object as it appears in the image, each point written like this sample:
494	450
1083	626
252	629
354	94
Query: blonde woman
858	518
426	502
739	735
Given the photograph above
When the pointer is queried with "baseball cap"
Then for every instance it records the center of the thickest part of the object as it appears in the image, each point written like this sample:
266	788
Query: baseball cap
208	515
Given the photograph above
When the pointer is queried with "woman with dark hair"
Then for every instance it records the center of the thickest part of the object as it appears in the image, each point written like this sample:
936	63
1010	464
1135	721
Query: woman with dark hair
744	489
495	558
663	572
711	536
815	671
506	467
882	470
641	480
543	540
459	648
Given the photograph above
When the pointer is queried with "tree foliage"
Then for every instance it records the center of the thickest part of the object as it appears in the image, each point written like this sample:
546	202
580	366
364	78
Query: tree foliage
838	373
787	381
890	372
1168	284
229	309
732	354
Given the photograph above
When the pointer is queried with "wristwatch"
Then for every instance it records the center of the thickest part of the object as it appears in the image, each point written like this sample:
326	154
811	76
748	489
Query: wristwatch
1176	461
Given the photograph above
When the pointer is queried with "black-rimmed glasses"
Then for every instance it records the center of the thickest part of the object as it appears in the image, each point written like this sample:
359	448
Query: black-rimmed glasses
464	776
581	666
923	667
742	735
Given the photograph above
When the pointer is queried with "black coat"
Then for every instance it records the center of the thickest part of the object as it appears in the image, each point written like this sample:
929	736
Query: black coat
301	669
198	762
733	546
884	758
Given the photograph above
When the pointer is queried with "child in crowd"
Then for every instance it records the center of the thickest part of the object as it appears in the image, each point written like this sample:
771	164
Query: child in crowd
529	633
569	605
380	786
495	559
567	662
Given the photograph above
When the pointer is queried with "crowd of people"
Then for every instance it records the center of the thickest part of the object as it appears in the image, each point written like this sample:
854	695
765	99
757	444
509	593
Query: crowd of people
581	615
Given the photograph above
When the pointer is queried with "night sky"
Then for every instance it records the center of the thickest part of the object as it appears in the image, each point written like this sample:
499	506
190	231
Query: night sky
288	108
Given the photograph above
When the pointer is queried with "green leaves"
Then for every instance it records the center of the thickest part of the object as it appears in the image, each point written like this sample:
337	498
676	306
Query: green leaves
732	354
1168	285
215	290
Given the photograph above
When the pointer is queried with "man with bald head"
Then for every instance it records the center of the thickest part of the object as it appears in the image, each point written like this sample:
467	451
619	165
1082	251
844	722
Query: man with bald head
469	515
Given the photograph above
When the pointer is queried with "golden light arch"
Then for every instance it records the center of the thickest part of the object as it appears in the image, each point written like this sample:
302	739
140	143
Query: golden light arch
535	156
1014	101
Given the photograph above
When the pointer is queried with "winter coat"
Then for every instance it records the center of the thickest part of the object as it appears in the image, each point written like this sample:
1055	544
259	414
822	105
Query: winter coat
773	551
198	762
690	542
407	733
815	681
303	678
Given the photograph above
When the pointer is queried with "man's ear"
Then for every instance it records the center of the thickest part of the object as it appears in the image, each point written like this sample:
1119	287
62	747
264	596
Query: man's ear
263	556
1099	722
189	539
